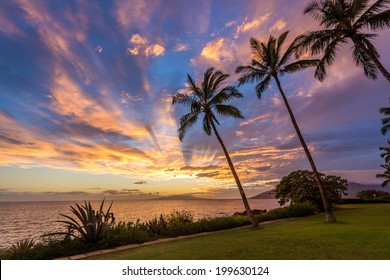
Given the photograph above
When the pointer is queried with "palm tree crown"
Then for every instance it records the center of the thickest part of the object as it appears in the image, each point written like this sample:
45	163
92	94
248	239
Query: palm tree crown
345	20
269	62
208	99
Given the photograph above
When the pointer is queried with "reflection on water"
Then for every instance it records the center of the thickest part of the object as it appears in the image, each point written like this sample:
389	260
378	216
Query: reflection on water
21	220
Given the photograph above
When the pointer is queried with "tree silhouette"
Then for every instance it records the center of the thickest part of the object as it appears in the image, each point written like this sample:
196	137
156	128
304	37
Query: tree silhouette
208	99
269	62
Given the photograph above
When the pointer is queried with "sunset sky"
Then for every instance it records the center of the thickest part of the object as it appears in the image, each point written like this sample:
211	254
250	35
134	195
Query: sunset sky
86	90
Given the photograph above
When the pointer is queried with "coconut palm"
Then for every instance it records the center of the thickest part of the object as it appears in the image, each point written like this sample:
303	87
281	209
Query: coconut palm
345	20
386	120
208	99
268	62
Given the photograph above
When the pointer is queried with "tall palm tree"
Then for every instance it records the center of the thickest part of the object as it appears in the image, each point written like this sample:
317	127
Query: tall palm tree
268	62
208	99
386	120
345	20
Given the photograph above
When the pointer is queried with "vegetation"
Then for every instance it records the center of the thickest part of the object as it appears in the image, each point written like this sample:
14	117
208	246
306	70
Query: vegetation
386	120
268	62
300	186
88	225
208	98
345	20
122	233
386	173
361	233
373	195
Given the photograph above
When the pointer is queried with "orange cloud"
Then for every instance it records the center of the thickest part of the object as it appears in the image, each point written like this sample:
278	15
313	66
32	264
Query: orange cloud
217	50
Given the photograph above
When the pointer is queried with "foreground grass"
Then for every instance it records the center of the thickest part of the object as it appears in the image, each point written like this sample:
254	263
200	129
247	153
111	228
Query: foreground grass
362	232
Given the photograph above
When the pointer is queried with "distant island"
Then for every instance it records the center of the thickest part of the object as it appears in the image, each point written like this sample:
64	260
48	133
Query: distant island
180	197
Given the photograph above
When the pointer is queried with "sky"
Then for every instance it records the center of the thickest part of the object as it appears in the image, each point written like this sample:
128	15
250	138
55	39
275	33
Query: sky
86	101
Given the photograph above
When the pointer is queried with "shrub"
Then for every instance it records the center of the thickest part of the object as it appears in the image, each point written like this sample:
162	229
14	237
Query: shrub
22	249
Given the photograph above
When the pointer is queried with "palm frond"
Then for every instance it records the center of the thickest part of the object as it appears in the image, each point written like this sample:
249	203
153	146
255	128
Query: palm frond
374	9
315	8
262	86
251	74
181	98
292	48
194	88
186	122
362	59
378	21
299	65
257	50
226	94
229	111
358	6
385	121
207	124
327	59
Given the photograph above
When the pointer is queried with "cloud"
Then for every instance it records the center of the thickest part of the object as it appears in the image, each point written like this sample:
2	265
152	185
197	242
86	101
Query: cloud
141	45
279	25
217	50
246	26
140	182
181	47
154	50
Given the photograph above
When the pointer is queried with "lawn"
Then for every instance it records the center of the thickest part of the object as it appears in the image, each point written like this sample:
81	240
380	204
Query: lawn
362	232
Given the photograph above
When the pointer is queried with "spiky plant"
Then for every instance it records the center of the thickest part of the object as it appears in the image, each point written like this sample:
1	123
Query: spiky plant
88	225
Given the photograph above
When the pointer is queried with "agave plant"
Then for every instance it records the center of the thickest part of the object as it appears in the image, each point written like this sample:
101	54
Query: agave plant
89	225
22	248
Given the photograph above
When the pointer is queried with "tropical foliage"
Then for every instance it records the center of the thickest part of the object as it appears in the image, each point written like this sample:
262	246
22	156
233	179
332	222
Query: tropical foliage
300	186
269	62
386	120
209	99
88	225
343	21
386	173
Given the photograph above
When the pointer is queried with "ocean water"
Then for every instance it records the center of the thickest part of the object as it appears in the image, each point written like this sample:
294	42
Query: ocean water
21	220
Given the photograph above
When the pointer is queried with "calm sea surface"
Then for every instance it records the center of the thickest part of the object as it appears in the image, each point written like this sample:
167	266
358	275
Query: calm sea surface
21	220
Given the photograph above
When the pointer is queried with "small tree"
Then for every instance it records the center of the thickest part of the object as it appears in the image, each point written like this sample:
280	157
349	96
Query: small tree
300	186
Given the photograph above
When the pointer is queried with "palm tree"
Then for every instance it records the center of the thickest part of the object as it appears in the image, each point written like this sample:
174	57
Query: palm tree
386	156
386	120
268	62
209	98
345	20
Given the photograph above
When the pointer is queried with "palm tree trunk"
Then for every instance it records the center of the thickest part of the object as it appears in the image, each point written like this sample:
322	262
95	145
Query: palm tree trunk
374	58
233	170
328	211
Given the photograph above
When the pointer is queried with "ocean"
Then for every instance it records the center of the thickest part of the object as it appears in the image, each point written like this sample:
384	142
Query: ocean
21	220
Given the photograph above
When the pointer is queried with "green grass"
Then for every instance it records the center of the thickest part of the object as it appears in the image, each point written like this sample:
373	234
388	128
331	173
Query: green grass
362	232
